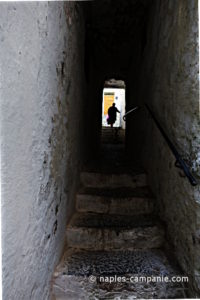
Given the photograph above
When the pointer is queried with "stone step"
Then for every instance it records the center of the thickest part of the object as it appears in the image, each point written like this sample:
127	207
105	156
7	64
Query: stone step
124	201
114	232
112	136
97	275
103	180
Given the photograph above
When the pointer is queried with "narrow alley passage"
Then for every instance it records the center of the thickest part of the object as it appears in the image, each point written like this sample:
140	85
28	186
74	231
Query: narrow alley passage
114	234
80	198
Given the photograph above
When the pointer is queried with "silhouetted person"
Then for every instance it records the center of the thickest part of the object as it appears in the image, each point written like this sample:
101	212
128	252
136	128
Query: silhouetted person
112	114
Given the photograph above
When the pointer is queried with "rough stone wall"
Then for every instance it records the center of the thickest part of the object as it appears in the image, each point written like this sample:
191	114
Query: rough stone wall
41	92
170	85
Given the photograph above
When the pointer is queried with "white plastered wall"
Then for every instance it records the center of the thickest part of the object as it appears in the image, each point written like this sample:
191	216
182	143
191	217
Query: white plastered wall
40	43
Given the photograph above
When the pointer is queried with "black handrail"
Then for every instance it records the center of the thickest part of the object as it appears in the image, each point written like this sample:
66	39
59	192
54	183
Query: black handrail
130	111
179	161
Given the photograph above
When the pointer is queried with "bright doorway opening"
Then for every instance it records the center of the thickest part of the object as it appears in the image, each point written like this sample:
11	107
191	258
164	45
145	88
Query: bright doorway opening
113	110
114	93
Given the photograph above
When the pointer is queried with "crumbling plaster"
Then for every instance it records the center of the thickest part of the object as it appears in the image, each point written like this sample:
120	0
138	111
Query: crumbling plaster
41	82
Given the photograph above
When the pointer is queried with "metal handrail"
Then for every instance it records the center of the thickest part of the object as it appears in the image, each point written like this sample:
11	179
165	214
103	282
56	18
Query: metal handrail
179	160
130	111
180	163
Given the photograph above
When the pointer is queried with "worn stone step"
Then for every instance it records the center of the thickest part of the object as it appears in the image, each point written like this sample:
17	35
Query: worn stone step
80	275
113	136
117	232
103	180
124	201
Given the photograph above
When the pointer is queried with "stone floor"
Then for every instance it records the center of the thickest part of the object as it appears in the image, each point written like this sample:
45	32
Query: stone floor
79	276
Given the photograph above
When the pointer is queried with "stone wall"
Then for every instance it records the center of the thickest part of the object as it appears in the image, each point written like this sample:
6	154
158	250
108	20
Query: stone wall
41	96
170	85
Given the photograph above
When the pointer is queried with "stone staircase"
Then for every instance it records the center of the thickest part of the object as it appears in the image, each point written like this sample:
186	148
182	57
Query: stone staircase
112	135
114	233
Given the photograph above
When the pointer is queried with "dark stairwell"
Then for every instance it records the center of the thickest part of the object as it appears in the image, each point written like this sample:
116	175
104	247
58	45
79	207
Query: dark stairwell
132	202
115	232
110	208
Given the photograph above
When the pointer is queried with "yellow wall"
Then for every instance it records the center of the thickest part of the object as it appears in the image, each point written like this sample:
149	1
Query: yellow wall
108	101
